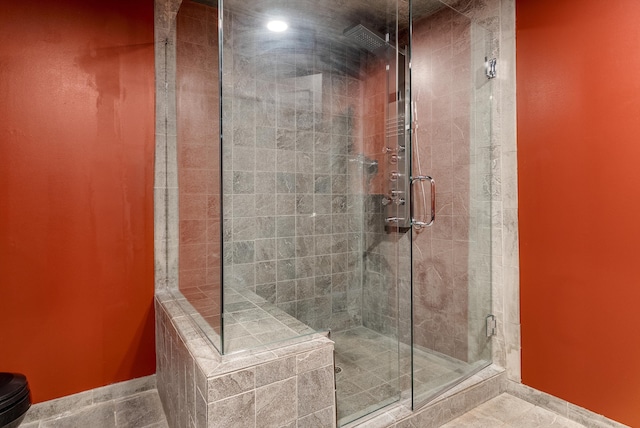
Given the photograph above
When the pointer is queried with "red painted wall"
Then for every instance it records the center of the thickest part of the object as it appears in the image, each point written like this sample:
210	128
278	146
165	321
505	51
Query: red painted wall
76	180
579	187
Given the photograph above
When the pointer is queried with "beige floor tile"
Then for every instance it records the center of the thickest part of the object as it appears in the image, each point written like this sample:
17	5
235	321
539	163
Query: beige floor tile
504	407
539	417
474	420
507	411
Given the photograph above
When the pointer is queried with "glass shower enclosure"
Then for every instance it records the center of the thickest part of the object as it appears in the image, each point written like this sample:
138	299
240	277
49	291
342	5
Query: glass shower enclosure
312	137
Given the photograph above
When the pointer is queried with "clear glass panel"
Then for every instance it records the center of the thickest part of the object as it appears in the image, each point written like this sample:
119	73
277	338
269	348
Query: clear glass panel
293	154
451	143
198	164
306	247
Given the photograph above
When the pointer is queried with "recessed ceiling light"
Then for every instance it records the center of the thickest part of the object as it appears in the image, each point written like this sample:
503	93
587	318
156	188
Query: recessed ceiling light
277	26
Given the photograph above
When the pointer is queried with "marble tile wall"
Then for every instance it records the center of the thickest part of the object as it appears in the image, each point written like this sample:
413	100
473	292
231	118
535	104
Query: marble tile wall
485	259
497	18
507	282
198	159
380	290
292	177
442	149
290	385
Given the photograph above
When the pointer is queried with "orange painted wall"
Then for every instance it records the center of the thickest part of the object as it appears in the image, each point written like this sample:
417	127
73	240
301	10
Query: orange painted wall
579	188
76	189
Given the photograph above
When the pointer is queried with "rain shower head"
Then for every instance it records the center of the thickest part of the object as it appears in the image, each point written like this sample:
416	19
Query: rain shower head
364	37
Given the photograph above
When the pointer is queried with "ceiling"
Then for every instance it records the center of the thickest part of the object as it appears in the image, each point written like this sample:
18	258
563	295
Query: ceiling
333	16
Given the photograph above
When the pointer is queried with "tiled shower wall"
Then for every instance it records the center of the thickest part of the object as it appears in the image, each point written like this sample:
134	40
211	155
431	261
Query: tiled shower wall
198	150
292	179
469	257
381	246
498	15
498	18
441	56
443	144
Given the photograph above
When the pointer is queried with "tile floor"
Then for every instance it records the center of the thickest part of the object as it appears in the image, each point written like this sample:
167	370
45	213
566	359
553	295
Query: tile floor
369	377
366	372
144	410
508	411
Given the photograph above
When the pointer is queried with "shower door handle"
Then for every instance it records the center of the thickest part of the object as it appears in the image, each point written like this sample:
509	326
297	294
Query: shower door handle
421	224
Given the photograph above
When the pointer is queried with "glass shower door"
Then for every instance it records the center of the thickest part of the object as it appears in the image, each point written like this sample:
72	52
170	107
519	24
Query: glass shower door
451	99
373	358
309	92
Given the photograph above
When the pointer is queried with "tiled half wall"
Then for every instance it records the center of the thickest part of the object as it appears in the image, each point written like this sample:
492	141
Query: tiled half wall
288	386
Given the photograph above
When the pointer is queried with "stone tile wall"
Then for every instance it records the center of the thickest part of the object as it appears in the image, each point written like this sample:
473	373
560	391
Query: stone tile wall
497	17
380	293
442	149
198	158
292	177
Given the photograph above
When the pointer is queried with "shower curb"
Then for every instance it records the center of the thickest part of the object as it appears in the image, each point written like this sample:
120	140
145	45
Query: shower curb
483	386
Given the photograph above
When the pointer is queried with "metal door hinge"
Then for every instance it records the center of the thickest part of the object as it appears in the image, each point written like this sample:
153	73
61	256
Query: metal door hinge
492	325
490	65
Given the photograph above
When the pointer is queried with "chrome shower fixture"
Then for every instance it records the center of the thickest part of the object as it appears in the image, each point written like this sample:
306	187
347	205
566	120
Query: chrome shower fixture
364	37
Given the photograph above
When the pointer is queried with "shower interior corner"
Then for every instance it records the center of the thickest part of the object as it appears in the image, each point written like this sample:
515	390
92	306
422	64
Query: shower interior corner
295	148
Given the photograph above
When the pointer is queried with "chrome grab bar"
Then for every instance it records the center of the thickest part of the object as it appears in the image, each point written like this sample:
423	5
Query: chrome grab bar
421	224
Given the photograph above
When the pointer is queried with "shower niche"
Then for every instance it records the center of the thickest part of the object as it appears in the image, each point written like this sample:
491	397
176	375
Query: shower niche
307	162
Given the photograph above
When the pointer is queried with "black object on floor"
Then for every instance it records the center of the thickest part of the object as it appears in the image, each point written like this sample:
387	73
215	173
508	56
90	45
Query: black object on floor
15	399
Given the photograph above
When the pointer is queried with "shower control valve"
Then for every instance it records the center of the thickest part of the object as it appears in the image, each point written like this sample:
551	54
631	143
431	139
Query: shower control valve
389	150
399	201
386	201
394	175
